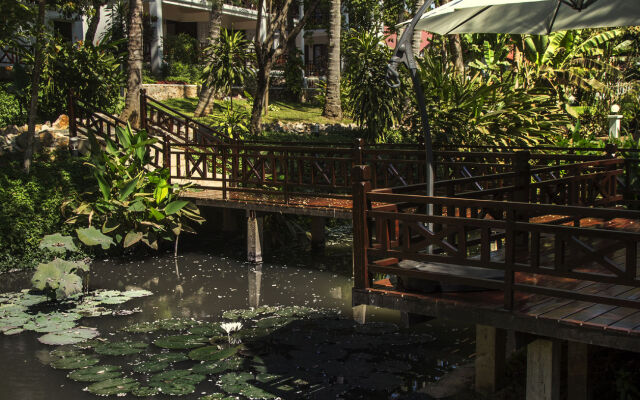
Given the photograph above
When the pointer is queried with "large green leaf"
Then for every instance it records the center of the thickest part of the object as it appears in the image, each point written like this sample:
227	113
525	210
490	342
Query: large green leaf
175	206
115	386
93	237
128	188
71	336
132	238
46	276
70	284
212	353
58	243
96	373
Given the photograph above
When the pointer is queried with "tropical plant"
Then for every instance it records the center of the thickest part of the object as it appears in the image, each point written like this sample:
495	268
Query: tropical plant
134	204
230	63
207	92
234	122
131	110
373	105
59	279
476	112
181	48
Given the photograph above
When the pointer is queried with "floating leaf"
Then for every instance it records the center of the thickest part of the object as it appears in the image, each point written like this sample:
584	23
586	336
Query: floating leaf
145	391
210	368
120	348
93	237
238	383
70	336
52	322
135	293
58	243
181	342
74	362
211	329
176	382
151	366
212	353
169	357
116	386
142	327
96	373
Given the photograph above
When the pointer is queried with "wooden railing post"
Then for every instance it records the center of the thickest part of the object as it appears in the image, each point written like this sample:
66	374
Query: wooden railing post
166	154
143	109
522	192
358	157
361	182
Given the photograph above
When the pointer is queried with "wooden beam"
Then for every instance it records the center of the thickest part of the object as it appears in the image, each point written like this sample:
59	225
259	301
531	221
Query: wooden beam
254	237
543	370
490	358
578	371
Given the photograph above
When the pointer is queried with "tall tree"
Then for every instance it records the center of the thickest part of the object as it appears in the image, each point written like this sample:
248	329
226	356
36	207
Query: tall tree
267	51
455	49
208	91
35	83
94	21
333	105
416	41
131	110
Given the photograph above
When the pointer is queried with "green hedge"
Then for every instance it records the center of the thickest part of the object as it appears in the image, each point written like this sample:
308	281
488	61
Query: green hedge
10	111
30	205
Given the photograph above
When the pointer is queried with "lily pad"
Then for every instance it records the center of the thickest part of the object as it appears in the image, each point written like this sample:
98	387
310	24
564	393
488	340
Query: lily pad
176	382
70	336
14	322
181	342
239	383
273	322
135	293
212	353
58	243
212	329
145	391
211	367
169	357
75	362
150	366
142	327
120	348
116	386
217	396
52	322
175	324
96	373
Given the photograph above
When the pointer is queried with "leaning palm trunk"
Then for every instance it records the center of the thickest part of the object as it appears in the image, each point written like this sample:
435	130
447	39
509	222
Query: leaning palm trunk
131	111
333	105
35	85
207	92
416	41
92	28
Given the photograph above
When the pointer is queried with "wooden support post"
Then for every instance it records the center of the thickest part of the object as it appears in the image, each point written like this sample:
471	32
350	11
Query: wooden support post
254	237
522	191
229	220
360	313
360	175
577	371
543	370
317	233
358	156
490	358
255	280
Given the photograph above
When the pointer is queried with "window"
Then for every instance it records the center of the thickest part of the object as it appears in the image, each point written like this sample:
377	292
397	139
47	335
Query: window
63	29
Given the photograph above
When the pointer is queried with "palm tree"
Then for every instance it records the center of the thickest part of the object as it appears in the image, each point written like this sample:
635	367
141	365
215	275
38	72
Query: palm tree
332	105
35	84
207	92
131	110
94	21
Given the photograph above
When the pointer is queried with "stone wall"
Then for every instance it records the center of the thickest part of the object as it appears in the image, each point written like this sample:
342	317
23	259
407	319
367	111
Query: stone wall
160	91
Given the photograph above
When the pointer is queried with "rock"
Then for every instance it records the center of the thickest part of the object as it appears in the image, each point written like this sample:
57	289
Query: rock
45	138
10	130
61	138
62	122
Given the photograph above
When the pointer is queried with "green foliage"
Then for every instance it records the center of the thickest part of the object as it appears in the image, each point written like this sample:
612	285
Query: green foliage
57	243
94	73
373	104
234	122
30	205
183	73
229	63
132	204
478	112
293	71
58	279
181	48
11	110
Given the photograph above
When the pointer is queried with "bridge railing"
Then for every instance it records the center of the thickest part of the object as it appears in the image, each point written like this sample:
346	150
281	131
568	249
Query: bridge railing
522	242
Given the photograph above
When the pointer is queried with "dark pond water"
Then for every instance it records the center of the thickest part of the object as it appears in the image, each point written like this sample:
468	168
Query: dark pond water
202	285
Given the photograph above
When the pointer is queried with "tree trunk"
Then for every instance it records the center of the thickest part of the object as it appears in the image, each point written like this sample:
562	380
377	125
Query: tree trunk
455	49
207	92
90	36
35	85
262	86
131	111
333	105
417	34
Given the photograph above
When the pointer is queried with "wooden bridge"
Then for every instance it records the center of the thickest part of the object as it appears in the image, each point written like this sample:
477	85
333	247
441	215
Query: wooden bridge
540	242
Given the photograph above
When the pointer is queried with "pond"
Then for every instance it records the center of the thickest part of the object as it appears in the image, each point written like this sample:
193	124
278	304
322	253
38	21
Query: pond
314	351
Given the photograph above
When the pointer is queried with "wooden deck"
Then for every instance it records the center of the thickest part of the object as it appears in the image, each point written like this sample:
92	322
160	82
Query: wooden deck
297	205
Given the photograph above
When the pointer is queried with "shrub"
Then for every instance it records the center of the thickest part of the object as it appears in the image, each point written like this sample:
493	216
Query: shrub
183	73
30	204
181	48
11	112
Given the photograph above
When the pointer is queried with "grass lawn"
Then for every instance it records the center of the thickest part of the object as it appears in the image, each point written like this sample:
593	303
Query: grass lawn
283	111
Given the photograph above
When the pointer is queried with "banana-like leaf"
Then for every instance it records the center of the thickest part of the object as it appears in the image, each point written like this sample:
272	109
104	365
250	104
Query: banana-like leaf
175	206
129	187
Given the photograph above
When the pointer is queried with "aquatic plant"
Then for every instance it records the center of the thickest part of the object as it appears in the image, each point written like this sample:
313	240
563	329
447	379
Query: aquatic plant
58	279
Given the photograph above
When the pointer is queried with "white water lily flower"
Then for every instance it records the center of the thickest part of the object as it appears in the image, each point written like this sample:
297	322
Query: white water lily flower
231	326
